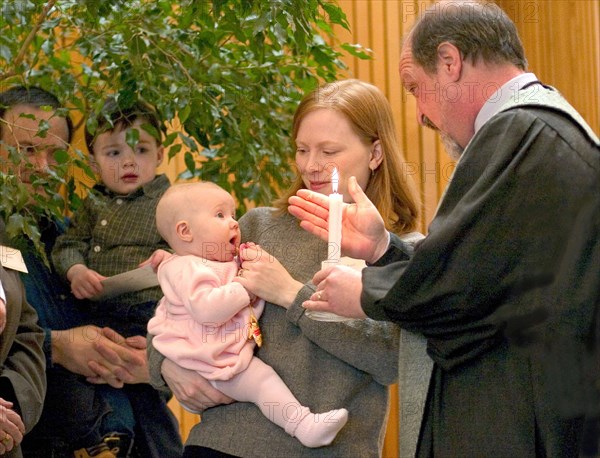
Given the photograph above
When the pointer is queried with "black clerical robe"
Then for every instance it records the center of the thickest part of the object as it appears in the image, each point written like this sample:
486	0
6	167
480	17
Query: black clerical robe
505	289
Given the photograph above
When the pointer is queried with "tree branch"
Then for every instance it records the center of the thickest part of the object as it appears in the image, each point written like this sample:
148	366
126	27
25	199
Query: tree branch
23	50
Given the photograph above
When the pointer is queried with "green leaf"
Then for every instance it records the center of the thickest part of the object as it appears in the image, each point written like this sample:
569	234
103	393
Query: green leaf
61	156
151	130
357	50
132	137
170	138
15	224
173	150
336	14
190	162
185	113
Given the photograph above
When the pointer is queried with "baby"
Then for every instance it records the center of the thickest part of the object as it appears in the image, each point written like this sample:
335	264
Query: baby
208	323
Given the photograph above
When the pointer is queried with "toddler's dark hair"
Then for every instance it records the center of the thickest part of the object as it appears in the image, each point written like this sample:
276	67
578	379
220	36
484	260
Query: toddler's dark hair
113	116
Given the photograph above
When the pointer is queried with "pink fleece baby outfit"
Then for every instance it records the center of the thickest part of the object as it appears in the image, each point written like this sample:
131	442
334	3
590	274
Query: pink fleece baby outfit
203	324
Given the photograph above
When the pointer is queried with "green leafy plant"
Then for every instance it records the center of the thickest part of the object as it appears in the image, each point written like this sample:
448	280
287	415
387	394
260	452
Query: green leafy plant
231	72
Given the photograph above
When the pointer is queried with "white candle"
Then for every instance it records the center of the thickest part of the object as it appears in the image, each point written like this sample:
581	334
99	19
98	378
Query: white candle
334	247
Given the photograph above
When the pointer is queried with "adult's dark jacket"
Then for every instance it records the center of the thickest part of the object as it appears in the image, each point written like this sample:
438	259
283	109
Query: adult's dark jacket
505	288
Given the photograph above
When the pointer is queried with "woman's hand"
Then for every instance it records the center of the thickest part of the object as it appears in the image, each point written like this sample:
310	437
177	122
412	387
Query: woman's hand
191	389
338	291
363	231
263	275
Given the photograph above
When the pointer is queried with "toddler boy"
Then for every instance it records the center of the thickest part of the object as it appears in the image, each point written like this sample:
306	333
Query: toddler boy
114	231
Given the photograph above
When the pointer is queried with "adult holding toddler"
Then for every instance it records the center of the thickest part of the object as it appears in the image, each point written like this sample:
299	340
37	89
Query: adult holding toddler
113	232
33	128
347	124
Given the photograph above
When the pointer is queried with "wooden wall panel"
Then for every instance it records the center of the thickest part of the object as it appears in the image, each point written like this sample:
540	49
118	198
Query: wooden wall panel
561	40
379	25
187	420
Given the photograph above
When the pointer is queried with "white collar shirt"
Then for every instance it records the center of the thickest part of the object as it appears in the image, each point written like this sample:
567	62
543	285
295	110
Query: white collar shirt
501	96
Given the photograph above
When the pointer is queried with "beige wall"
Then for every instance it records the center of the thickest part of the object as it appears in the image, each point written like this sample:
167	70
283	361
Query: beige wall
561	41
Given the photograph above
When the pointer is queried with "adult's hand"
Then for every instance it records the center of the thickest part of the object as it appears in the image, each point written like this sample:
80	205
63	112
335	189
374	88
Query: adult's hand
363	231
127	362
100	354
11	427
191	389
265	277
338	291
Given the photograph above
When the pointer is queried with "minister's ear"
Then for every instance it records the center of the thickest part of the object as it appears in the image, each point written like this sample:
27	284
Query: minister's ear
449	61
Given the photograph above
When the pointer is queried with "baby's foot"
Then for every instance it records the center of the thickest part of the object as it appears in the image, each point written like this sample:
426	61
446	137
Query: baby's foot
318	430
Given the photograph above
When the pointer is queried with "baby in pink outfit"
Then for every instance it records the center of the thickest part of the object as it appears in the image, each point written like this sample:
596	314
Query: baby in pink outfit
206	322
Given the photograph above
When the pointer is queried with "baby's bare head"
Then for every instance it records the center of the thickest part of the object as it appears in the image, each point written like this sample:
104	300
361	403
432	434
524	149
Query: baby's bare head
179	206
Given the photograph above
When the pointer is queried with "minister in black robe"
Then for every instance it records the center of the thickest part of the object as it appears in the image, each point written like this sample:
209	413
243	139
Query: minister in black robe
505	287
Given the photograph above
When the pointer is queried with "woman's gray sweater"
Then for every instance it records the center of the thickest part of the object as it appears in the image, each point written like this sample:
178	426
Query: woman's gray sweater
326	365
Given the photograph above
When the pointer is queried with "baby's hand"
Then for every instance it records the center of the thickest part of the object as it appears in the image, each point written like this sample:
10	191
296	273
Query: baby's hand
245	246
85	283
156	258
252	296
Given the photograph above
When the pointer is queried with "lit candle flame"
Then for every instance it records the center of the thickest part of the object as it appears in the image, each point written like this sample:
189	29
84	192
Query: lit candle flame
334	180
